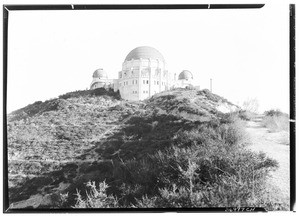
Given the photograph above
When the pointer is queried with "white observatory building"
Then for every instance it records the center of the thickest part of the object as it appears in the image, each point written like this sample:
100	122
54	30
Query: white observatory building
144	73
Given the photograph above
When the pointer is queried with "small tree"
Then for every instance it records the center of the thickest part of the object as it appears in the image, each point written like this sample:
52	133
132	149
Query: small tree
251	105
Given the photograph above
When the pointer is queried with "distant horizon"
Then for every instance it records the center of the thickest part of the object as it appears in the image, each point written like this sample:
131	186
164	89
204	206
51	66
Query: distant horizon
245	52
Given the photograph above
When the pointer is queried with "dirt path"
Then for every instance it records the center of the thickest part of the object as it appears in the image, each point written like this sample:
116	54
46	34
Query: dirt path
276	146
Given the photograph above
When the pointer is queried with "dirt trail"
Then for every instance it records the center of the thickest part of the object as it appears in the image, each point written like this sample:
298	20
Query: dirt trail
276	146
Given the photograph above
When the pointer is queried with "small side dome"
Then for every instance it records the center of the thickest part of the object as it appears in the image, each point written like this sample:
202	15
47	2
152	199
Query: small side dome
185	75
100	73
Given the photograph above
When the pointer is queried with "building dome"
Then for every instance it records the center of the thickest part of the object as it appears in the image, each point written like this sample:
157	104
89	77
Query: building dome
100	73
185	75
144	52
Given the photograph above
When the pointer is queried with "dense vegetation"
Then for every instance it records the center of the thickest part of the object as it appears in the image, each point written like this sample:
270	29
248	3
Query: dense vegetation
276	120
172	150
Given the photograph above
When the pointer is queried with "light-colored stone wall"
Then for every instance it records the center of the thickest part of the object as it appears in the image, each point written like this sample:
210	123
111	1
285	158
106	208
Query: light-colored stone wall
140	79
100	82
183	83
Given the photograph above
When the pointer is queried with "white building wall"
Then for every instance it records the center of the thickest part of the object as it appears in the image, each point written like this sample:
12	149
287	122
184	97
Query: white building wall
147	75
183	83
100	82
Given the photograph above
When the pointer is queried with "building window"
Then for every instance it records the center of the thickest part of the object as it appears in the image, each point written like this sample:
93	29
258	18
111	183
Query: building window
143	81
132	81
136	81
147	82
157	82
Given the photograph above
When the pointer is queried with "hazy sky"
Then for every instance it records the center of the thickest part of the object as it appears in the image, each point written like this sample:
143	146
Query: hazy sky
245	52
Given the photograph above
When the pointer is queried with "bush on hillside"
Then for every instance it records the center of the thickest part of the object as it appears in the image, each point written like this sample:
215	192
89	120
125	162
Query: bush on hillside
206	166
173	151
213	97
246	115
274	112
94	92
276	120
63	102
96	197
276	123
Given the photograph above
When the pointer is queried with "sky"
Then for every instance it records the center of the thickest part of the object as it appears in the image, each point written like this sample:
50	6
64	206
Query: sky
245	52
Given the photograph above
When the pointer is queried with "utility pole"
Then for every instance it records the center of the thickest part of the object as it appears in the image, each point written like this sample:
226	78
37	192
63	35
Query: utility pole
210	85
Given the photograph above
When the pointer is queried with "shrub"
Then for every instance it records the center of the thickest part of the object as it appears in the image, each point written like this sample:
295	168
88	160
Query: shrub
276	123
96	198
246	115
235	180
204	169
234	133
273	112
276	120
95	92
203	165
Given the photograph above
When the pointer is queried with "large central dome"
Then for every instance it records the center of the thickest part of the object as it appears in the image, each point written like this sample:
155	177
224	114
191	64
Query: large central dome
144	52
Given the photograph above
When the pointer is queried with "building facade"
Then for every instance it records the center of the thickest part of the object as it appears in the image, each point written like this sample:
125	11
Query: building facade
100	79
144	73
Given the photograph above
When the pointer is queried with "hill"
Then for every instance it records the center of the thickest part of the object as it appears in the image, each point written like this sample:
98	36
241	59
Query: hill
177	138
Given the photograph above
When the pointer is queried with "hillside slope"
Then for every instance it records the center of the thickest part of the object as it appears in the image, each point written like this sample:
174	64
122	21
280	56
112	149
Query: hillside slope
57	146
